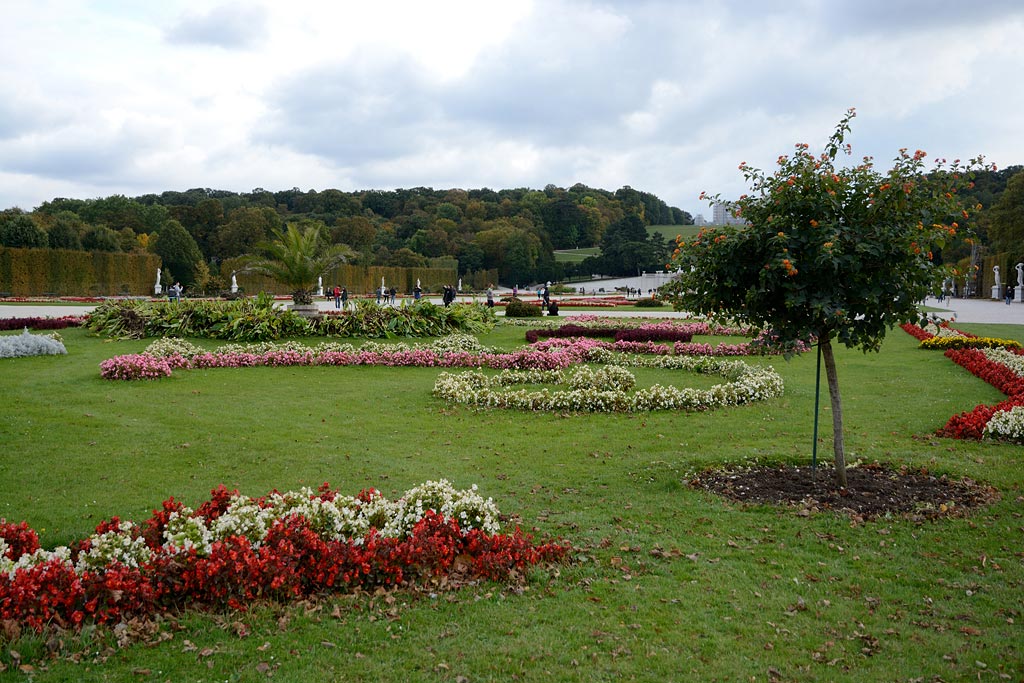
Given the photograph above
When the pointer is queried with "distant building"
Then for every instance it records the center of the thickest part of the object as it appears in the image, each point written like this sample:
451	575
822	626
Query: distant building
722	215
700	220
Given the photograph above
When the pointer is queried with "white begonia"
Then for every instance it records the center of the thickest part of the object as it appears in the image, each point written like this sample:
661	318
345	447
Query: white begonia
121	546
1007	359
607	389
243	518
6	563
40	556
1007	424
465	506
173	346
185	532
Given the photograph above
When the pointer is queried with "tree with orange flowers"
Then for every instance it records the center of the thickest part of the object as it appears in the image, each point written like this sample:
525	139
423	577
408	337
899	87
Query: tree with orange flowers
828	252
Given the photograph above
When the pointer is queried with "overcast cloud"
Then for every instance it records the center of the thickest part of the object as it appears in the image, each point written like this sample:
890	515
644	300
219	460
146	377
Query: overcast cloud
113	97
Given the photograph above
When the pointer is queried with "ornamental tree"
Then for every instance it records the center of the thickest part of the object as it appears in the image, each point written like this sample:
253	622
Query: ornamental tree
296	258
832	253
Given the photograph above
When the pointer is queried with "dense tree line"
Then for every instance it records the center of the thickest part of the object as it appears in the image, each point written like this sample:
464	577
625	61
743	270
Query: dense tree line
515	231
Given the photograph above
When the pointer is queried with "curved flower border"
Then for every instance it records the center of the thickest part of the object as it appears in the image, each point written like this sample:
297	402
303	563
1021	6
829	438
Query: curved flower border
607	390
1003	368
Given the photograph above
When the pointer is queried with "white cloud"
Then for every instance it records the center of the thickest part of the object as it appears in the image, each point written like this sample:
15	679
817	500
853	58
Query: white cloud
668	97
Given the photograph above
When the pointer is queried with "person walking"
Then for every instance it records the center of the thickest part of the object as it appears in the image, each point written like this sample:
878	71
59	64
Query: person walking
344	299
337	296
490	296
1009	294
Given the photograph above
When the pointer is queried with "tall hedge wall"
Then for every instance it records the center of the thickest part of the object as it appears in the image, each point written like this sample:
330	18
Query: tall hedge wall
62	272
358	279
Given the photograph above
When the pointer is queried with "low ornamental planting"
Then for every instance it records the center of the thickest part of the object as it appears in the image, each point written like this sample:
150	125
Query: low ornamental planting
148	365
609	389
1001	365
234	549
680	334
37	323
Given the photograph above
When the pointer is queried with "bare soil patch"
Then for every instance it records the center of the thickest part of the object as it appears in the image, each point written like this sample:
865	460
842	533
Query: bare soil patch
872	490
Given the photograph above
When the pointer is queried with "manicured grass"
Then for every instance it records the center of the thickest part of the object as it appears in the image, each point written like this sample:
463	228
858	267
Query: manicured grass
669	232
669	584
576	255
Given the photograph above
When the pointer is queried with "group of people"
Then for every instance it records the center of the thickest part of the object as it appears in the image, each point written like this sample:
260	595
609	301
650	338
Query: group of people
447	295
386	296
340	297
174	292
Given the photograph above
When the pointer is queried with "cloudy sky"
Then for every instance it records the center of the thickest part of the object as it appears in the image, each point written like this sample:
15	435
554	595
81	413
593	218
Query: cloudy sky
101	97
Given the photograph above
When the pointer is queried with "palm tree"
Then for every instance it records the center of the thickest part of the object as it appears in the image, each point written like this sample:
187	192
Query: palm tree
296	258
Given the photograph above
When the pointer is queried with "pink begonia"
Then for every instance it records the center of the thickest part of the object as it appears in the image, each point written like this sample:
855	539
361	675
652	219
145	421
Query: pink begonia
551	354
136	366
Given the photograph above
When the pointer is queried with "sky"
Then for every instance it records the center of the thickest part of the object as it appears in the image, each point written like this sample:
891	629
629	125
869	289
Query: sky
104	97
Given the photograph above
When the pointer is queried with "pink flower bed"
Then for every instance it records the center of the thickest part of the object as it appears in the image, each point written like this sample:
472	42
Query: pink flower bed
144	366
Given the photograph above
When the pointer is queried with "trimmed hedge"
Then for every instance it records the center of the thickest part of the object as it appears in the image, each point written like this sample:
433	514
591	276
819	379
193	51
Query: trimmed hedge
357	279
62	272
517	308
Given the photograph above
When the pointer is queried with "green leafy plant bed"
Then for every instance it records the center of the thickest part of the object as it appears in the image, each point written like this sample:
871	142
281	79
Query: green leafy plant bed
259	320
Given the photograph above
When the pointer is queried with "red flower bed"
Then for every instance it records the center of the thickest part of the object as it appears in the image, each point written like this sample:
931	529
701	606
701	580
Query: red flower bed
41	323
971	424
291	561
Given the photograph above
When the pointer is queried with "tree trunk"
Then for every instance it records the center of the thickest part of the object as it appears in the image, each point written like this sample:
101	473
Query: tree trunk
838	446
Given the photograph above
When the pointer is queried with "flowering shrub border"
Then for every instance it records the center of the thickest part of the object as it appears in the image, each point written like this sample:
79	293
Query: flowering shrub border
234	549
1000	365
608	389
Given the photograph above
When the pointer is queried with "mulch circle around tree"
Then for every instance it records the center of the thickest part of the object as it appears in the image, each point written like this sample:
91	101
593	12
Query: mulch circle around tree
872	490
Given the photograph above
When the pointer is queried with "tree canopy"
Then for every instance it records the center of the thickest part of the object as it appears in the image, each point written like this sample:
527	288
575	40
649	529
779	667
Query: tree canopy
828	252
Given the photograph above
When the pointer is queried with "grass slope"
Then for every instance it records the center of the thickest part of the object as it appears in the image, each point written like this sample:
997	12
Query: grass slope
671	583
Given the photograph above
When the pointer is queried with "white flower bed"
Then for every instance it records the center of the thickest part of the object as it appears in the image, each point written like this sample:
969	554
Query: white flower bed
344	519
1005	358
1007	424
607	389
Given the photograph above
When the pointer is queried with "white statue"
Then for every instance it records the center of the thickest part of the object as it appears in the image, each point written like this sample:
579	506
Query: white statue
319	286
234	282
158	288
997	288
995	269
1020	274
459	289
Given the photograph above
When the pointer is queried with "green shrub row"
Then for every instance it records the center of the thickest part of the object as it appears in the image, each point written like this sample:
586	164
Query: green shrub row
517	308
62	272
258	319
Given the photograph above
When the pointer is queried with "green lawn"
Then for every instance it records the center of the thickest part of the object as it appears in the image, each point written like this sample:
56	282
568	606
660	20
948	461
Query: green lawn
669	232
728	593
576	255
